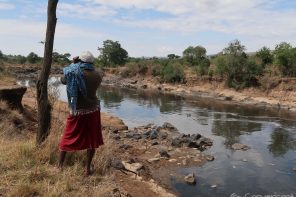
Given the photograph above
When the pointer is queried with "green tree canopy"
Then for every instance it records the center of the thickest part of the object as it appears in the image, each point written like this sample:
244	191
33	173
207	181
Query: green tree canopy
33	58
194	55
264	54
112	54
61	58
21	59
285	58
1	55
239	70
173	56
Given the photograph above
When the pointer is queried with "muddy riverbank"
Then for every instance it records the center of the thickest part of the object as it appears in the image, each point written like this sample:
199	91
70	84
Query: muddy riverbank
281	98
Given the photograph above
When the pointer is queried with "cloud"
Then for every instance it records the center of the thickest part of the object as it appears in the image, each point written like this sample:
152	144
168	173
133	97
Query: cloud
6	6
89	11
23	36
246	18
37	29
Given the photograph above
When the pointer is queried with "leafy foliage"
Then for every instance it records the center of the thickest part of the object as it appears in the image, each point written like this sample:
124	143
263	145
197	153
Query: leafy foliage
112	54
133	69
285	58
203	67
172	72
61	58
264	54
196	56
193	55
239	70
173	56
33	58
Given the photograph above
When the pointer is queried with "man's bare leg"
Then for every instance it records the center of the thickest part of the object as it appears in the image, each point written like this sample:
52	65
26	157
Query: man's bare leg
61	160
90	155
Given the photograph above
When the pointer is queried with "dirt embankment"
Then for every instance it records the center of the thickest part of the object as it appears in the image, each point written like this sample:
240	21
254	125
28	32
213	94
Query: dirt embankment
281	97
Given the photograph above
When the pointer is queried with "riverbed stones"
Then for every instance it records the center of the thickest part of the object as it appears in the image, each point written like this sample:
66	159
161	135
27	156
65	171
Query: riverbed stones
190	179
195	136
153	134
154	143
163	135
169	126
193	144
152	160
133	135
238	146
294	169
193	141
176	142
133	167
147	133
210	158
172	160
213	186
164	153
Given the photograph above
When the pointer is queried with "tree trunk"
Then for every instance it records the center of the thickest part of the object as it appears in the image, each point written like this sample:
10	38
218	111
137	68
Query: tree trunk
44	107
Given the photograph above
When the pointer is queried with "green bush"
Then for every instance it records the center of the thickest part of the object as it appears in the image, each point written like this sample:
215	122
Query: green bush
133	69
270	78
173	73
1	67
265	56
221	66
156	70
285	58
240	71
33	58
202	67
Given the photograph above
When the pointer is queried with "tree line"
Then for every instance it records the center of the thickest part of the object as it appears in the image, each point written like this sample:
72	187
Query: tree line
33	58
233	64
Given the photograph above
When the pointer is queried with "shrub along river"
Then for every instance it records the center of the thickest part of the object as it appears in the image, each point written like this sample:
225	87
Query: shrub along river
266	168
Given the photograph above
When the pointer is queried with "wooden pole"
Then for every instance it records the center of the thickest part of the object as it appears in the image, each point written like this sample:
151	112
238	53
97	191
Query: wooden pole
44	108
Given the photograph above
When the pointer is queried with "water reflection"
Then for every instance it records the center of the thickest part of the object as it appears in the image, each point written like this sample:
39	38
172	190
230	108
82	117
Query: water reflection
113	97
281	142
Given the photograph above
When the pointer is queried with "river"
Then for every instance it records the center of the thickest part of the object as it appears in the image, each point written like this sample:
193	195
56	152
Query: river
265	169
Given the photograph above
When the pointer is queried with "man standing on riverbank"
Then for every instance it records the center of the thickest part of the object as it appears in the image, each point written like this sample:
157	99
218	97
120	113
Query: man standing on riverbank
83	126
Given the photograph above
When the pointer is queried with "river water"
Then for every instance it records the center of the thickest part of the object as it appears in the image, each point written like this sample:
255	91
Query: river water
265	169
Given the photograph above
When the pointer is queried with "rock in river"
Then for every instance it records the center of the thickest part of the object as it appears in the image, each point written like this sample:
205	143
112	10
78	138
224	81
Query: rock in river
190	179
210	158
238	146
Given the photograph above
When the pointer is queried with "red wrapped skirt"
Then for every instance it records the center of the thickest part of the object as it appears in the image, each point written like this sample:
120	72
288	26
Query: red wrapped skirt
82	132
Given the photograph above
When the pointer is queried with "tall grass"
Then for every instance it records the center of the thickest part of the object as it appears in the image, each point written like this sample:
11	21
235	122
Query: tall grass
27	170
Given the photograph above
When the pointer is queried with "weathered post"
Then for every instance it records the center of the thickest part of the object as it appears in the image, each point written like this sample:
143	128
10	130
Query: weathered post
44	108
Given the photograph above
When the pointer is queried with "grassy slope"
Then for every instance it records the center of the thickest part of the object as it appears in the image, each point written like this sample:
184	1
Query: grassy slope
26	170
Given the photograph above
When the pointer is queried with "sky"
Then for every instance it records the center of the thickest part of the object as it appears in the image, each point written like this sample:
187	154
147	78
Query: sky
147	28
